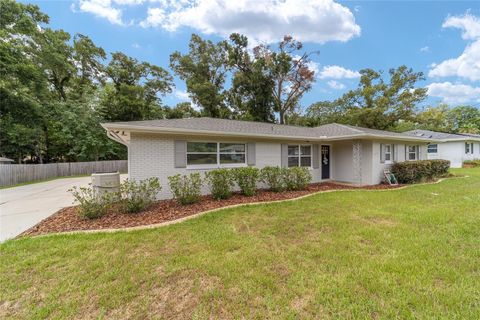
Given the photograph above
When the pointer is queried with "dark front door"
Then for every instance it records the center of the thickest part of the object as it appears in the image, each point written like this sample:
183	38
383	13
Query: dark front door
325	162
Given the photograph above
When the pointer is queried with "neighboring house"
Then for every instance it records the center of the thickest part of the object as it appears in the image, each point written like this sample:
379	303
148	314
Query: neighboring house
454	147
162	148
4	160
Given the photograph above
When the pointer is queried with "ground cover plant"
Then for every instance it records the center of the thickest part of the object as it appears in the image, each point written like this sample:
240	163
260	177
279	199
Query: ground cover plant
397	254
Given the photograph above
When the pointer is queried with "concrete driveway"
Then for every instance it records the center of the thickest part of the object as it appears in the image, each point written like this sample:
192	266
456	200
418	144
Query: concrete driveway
23	207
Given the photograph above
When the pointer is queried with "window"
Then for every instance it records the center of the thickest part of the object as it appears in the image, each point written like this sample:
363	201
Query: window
432	148
300	155
468	147
214	154
388	153
412	152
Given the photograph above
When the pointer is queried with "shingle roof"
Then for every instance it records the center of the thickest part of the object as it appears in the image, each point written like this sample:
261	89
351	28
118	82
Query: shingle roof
333	130
437	135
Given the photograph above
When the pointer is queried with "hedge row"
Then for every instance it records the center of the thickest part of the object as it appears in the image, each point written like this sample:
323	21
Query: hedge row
186	189
471	163
418	171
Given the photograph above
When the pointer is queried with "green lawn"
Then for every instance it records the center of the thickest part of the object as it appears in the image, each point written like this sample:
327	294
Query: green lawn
410	253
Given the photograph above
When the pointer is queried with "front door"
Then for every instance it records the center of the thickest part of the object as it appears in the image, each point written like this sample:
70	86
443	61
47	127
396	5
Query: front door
325	162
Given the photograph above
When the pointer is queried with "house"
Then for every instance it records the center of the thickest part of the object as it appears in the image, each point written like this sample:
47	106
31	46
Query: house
4	160
162	148
454	147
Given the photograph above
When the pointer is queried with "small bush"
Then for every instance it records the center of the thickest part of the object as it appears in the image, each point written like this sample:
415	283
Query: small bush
417	171
186	188
137	195
220	182
471	163
91	204
246	179
296	178
273	178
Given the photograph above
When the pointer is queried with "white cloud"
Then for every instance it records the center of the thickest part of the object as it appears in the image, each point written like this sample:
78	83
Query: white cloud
467	65
266	21
425	49
357	8
136	45
102	9
336	85
470	25
181	95
454	93
337	72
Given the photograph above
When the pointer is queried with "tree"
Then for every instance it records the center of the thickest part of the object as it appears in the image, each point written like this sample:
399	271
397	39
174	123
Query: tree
251	94
182	110
290	72
464	119
135	90
375	103
204	69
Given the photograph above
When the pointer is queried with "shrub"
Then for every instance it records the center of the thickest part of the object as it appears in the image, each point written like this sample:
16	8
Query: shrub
91	204
220	182
186	188
471	163
416	171
273	178
296	178
246	179
137	195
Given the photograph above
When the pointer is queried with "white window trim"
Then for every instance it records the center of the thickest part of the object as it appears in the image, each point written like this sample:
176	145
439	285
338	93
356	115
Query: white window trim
300	155
417	151
217	165
390	153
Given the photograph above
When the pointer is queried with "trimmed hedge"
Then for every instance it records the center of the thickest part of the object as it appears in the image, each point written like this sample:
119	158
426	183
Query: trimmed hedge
246	179
220	182
417	171
471	163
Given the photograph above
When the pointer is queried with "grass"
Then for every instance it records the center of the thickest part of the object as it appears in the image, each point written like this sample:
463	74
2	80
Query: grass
410	253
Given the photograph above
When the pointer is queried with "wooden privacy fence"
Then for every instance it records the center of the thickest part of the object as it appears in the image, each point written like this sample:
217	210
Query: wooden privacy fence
11	174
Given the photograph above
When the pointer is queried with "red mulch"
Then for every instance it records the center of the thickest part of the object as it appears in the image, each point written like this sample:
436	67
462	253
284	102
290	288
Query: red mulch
67	218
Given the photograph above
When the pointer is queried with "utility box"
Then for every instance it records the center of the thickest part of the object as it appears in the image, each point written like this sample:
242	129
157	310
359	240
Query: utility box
106	182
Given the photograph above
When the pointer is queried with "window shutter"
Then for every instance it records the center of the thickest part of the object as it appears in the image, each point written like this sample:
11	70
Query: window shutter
180	153
251	156
382	153
471	151
315	157
406	154
284	155
417	151
394	152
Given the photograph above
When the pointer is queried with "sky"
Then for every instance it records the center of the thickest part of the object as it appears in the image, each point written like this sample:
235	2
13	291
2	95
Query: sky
439	38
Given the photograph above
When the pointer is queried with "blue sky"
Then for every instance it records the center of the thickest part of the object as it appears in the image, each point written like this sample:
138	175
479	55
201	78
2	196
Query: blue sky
439	38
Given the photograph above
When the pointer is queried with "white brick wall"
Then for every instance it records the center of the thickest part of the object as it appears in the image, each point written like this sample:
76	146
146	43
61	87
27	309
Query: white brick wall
153	156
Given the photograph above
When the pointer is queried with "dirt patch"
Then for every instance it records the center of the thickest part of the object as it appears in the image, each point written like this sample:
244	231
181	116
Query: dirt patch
67	219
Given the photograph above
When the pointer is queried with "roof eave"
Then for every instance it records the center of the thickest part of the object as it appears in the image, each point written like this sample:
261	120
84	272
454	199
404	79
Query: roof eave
183	131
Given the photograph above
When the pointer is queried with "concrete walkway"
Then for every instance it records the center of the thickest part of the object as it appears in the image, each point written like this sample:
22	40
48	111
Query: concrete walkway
23	207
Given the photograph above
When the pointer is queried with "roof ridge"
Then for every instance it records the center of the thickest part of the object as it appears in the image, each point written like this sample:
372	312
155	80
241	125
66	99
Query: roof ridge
350	127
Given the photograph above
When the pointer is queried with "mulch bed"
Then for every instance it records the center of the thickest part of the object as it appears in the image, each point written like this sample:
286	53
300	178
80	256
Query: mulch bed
67	218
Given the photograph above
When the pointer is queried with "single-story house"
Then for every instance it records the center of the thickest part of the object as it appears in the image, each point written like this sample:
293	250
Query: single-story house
454	147
162	148
4	160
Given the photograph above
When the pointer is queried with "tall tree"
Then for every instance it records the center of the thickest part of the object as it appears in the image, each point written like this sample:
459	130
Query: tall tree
290	72
251	94
464	119
204	69
136	89
378	104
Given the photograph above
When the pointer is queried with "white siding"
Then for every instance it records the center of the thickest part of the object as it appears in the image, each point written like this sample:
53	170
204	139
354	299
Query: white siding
153	156
454	151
